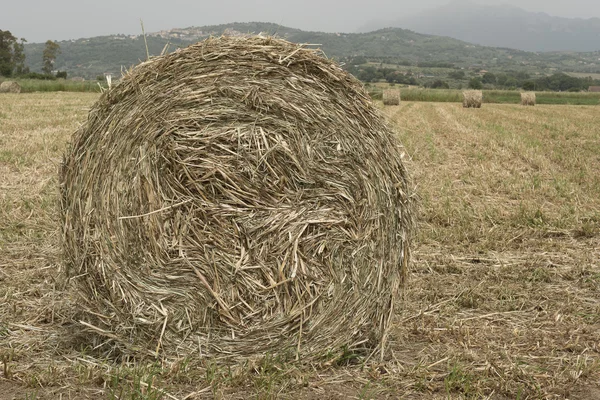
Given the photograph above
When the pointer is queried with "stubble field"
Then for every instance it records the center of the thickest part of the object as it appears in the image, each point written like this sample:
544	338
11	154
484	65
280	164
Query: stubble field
503	298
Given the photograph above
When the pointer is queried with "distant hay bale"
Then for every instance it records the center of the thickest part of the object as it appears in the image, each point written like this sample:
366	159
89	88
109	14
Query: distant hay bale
527	98
472	98
10	87
237	198
391	97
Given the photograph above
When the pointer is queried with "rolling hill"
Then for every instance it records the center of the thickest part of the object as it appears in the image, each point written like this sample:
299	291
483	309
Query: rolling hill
502	26
95	56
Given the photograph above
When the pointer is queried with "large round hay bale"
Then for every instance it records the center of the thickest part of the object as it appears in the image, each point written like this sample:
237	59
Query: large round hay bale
391	97
10	87
472	98
527	98
238	197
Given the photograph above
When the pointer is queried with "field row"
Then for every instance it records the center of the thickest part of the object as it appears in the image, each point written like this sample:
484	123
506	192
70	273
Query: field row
375	90
489	96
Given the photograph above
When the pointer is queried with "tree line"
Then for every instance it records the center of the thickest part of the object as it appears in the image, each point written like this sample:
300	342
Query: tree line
12	58
459	78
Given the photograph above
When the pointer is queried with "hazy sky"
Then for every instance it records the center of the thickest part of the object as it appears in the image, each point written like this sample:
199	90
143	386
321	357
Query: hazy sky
40	20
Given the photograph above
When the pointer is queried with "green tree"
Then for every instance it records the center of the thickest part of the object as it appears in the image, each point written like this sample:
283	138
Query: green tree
439	84
475	83
528	85
458	75
51	50
19	57
561	82
7	64
489	77
501	79
358	60
511	82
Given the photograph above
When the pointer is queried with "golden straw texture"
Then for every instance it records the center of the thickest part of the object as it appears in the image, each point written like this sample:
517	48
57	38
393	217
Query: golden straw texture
391	97
528	98
238	197
10	87
472	98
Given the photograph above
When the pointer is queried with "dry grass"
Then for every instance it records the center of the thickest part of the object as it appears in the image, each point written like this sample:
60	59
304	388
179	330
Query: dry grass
391	97
527	99
472	98
502	302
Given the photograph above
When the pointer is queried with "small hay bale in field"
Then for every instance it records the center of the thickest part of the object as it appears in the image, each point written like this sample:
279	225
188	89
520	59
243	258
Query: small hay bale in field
472	98
391	97
10	87
239	197
527	98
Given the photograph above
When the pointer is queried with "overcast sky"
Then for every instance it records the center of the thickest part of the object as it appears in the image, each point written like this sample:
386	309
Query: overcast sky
40	20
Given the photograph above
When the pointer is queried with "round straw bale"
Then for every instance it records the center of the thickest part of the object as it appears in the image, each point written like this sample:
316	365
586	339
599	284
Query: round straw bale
391	97
528	98
238	197
10	87
472	98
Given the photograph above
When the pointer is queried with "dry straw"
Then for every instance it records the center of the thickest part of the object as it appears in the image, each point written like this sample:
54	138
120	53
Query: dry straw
391	97
472	98
239	197
527	98
10	87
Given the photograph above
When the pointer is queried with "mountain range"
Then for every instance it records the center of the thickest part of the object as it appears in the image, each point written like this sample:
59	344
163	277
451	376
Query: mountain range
390	47
501	26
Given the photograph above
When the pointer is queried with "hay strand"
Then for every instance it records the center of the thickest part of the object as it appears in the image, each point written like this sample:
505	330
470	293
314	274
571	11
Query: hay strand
238	197
472	98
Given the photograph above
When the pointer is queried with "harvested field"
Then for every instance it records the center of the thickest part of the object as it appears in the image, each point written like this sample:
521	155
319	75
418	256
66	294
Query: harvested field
502	301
